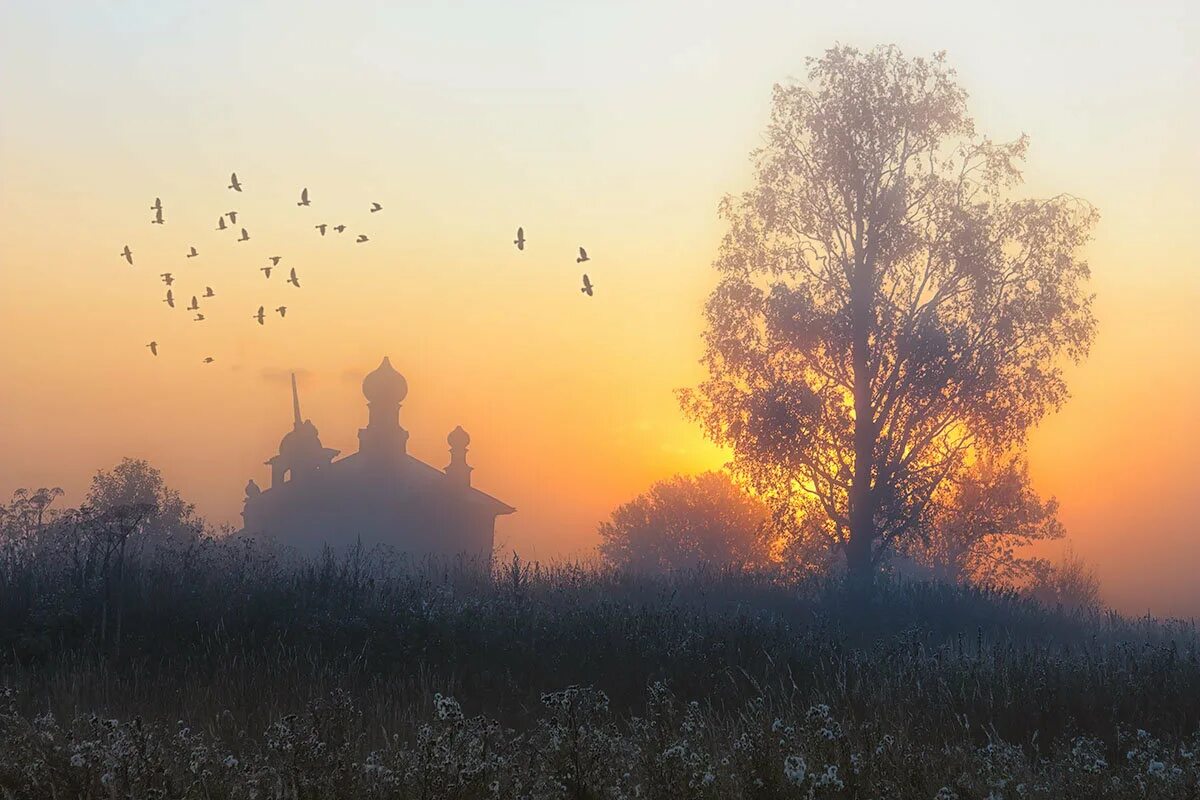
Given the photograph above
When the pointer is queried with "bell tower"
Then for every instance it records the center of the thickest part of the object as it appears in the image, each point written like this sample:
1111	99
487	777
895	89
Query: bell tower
383	438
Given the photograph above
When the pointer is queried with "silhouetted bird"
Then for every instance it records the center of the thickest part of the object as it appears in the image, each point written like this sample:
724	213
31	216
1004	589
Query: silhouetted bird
520	240
157	205
234	183
244	237
321	228
587	285
193	253
339	228
232	217
293	279
208	360
199	318
265	270
282	311
583	256
167	278
303	197
376	207
195	306
221	222
361	238
274	260
128	255
170	301
153	348
208	292
261	315
158	218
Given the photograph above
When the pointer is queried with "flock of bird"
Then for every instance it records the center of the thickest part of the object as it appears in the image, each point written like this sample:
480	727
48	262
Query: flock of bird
260	316
582	257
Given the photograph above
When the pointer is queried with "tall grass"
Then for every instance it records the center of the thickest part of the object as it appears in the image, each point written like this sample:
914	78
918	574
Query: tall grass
236	639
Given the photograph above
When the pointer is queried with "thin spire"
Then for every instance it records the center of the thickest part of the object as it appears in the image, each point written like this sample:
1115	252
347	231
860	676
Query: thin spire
296	402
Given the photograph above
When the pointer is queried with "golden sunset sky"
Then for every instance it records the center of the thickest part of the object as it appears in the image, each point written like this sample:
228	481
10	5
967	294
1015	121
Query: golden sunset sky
613	125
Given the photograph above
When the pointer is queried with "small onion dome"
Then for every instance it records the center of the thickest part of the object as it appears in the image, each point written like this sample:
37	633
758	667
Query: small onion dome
458	438
302	443
385	385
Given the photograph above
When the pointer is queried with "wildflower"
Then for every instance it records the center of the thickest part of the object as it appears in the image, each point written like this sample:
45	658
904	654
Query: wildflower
230	761
1157	768
945	793
818	712
830	777
447	708
77	760
795	769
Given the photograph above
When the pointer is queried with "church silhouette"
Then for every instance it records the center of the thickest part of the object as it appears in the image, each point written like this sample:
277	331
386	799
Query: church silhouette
379	495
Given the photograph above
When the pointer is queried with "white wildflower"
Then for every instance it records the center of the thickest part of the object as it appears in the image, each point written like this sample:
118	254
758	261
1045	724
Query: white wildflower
795	769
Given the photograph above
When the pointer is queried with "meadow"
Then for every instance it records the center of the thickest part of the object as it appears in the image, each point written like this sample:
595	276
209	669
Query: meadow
226	668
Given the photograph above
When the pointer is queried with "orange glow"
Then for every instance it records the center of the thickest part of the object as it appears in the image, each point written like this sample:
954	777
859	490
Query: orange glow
619	131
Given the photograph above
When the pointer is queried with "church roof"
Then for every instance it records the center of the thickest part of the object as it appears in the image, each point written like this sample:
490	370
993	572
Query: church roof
425	473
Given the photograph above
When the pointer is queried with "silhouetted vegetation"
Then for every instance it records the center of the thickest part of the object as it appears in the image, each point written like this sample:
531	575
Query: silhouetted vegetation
687	522
888	314
334	677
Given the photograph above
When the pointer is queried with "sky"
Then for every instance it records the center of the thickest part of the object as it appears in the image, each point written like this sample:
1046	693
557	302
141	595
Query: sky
614	125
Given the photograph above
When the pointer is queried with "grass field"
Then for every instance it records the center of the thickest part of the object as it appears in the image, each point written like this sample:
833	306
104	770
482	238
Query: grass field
228	670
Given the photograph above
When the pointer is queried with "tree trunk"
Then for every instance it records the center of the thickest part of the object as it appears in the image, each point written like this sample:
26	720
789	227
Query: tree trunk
859	562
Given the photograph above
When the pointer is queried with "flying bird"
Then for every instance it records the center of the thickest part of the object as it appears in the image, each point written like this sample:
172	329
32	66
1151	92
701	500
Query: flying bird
170	301
232	217
282	311
293	280
158	218
376	207
221	222
153	348
128	255
260	316
208	360
195	306
583	256
587	285
167	278
362	237
303	197
520	240
193	253
265	270
245	237
275	260
339	228
208	292
321	228
157	204
199	318
234	183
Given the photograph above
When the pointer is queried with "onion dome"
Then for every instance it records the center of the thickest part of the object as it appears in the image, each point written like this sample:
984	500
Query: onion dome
301	445
385	386
458	438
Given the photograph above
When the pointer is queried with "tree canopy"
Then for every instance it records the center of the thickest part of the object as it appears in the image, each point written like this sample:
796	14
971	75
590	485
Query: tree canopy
885	308
685	522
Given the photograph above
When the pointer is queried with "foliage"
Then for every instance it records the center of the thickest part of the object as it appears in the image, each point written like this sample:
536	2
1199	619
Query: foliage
685	522
885	308
980	519
1071	583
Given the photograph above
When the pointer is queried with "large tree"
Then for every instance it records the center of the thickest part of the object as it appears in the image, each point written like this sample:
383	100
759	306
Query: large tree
885	306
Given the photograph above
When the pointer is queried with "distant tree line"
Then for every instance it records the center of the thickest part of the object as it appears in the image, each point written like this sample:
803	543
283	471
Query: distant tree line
977	533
